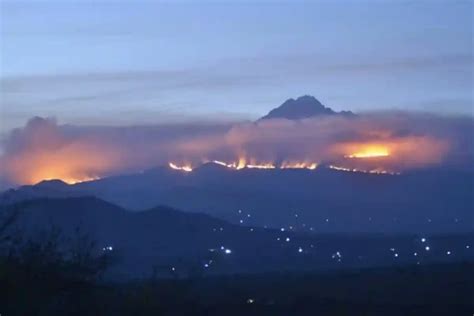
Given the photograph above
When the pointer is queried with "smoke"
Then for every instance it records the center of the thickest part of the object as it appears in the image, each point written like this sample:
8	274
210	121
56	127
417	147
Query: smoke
45	150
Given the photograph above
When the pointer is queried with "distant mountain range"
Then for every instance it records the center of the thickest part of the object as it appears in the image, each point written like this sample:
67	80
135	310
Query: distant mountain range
303	107
321	200
174	243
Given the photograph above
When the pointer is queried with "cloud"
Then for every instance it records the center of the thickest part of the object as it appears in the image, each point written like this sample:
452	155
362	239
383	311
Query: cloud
43	149
248	85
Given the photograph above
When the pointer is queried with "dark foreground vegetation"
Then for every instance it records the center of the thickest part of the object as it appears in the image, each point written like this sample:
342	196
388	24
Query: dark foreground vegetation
432	290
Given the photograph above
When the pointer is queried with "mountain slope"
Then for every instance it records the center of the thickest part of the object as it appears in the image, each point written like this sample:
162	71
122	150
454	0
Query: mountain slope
325	200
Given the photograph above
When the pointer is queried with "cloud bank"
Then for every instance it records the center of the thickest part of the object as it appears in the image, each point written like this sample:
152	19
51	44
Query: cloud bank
42	149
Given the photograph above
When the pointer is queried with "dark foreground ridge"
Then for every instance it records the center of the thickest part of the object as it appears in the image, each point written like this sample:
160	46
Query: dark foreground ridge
184	244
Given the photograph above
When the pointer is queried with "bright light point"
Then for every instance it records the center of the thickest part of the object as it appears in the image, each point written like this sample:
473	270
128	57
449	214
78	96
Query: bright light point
206	265
228	251
287	239
241	221
250	301
300	250
423	239
415	254
173	269
282	229
448	252
396	255
427	248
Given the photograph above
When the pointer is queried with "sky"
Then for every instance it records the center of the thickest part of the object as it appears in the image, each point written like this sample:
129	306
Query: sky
135	62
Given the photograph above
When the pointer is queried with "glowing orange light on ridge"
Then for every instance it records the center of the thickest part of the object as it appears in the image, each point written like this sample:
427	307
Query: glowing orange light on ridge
370	151
186	168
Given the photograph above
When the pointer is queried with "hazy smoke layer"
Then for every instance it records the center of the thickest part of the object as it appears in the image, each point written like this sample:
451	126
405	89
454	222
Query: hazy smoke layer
44	150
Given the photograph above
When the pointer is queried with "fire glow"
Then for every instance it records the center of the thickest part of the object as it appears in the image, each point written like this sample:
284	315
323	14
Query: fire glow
73	180
242	164
300	165
43	150
370	151
372	171
185	168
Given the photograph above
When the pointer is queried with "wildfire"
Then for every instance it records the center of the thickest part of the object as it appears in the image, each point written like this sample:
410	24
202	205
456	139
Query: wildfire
71	180
242	163
64	170
262	166
252	164
233	165
370	151
186	168
372	171
298	165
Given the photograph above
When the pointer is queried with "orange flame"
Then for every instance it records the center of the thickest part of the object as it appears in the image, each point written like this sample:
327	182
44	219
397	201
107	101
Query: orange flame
370	151
372	171
186	168
298	165
253	164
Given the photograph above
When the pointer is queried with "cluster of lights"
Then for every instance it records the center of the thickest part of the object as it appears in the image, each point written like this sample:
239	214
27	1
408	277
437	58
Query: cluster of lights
337	256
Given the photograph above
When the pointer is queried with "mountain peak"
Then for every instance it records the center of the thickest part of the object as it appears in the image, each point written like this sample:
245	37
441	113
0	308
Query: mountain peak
303	107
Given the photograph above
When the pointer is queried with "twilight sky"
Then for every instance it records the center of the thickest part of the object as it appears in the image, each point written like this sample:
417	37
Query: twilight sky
134	62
